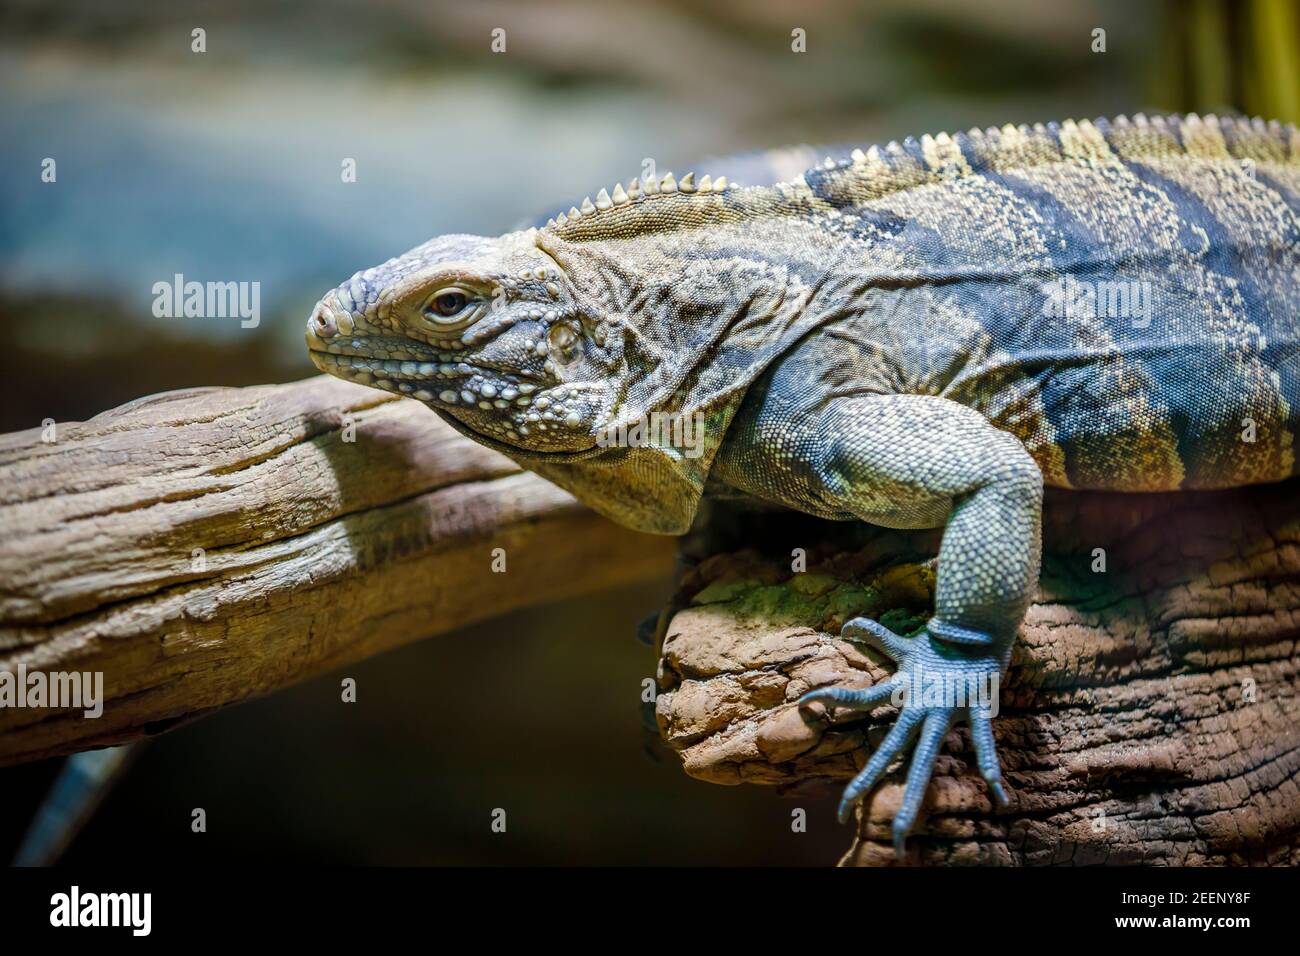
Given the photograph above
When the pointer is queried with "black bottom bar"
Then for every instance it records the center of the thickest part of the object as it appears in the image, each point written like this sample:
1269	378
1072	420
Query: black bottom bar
331	905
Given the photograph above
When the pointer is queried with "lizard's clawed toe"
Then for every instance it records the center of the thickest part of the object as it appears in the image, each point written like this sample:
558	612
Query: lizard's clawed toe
900	841
853	698
866	631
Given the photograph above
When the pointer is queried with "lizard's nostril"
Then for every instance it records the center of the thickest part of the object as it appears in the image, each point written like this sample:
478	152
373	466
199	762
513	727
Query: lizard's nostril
322	322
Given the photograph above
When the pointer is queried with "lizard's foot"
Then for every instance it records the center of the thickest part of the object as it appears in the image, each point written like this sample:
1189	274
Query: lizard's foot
945	673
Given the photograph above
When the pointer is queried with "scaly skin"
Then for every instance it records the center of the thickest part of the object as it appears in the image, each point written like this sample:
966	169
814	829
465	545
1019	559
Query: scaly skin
903	338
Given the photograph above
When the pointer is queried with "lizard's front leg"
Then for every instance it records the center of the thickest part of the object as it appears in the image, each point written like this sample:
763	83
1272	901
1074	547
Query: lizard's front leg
914	461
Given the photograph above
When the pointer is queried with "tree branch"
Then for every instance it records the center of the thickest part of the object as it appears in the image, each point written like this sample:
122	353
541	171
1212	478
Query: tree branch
207	546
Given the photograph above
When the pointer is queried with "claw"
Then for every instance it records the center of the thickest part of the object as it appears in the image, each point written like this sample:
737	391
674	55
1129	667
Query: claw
898	736
847	697
936	727
878	636
986	755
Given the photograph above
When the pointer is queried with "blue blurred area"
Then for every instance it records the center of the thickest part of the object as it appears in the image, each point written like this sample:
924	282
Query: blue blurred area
225	165
245	183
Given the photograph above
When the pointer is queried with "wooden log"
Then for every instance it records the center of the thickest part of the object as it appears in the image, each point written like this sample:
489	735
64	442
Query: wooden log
1151	713
203	547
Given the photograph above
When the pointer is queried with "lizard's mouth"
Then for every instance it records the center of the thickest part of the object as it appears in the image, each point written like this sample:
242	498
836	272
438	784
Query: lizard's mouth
488	400
515	411
462	409
409	367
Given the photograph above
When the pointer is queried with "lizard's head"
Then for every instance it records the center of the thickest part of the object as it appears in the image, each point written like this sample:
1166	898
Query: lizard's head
647	305
485	330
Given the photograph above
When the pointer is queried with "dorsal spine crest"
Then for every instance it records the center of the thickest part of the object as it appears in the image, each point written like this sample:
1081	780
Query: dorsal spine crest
878	171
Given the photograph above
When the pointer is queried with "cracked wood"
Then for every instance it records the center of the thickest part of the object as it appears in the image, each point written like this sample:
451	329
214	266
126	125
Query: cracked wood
1150	714
207	546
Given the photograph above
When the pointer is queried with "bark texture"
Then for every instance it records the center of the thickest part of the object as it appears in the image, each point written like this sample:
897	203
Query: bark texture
206	546
1150	714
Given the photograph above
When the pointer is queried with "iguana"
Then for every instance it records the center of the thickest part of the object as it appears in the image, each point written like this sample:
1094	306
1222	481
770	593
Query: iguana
920	335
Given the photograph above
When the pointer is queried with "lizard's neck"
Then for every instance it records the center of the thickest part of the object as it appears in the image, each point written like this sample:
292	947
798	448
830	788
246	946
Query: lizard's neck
718	259
694	296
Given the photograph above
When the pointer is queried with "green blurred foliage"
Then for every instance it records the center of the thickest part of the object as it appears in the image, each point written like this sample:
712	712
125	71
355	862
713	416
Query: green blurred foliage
1230	56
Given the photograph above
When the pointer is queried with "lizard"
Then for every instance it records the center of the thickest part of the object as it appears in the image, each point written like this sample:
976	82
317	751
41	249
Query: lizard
921	335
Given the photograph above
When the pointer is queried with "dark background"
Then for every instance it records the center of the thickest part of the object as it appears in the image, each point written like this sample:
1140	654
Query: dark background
225	166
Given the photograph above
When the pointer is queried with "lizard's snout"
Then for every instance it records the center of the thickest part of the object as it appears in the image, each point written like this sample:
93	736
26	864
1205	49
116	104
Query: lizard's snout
322	324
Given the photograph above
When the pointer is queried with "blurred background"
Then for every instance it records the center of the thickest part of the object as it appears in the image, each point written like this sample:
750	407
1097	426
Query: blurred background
225	165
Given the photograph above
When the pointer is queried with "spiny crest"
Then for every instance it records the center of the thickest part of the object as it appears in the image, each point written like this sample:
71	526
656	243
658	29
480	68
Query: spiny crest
881	170
637	191
877	171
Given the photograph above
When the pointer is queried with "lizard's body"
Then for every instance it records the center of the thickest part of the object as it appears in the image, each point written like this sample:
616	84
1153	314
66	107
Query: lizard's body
904	338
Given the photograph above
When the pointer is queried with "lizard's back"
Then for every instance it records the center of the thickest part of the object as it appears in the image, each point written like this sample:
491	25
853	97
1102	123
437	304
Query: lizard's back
1125	297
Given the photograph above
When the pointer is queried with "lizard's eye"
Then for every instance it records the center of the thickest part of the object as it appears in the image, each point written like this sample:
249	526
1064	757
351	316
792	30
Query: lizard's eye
446	305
